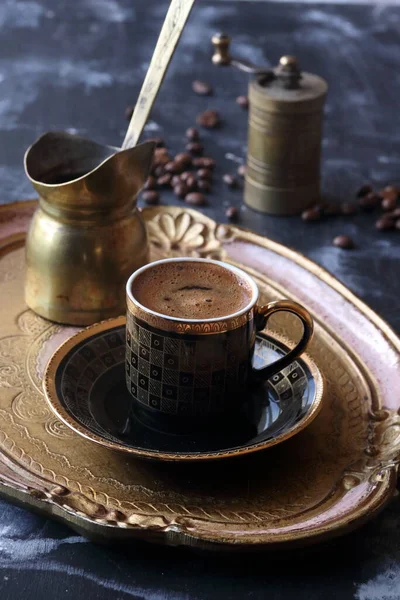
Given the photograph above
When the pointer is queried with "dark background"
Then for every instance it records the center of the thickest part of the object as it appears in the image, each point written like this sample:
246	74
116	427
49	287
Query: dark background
75	65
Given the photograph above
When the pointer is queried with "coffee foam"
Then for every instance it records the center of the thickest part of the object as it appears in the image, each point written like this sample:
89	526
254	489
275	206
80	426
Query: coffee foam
191	290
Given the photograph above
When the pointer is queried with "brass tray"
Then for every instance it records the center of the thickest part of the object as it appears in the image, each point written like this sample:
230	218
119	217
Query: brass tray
323	482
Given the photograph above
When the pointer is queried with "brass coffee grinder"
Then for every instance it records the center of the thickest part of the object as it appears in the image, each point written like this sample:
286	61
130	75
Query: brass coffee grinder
284	133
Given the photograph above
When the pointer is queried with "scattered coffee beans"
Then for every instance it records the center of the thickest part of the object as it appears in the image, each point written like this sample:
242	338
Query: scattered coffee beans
242	170
185	175
192	134
343	241
204	174
232	213
164	180
202	88
395	214
176	180
243	101
184	158
204	163
312	214
230	180
209	119
151	197
204	185
158	171
196	199
364	190
181	190
385	223
389	203
390	191
191	183
369	201
173	167
194	148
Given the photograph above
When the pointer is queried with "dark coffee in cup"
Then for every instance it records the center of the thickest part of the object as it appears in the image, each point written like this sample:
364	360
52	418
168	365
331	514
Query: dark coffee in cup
191	290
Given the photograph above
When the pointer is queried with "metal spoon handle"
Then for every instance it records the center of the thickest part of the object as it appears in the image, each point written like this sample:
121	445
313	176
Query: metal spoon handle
178	13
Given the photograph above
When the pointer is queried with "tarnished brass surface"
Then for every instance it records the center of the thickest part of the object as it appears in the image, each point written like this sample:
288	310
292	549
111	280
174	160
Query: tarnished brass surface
86	236
284	146
325	481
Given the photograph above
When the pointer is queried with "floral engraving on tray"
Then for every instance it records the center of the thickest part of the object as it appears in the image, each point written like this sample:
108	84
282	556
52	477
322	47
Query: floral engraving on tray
178	232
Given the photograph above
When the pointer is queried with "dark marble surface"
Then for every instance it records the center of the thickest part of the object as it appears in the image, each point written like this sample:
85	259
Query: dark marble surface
75	65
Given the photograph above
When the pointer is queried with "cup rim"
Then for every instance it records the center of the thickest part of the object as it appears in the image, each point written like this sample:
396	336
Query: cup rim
222	264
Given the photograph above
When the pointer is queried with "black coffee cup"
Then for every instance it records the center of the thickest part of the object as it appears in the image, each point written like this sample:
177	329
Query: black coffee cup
184	374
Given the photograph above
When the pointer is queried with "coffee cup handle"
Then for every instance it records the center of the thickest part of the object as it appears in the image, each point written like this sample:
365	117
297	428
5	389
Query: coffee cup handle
263	313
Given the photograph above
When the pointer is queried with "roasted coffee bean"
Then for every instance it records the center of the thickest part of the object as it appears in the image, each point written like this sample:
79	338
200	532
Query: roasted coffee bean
158	171
204	174
161	159
174	167
204	185
196	199
385	223
191	183
209	119
185	175
241	170
184	158
348	209
370	201
389	203
129	112
390	191
150	183
343	241
204	162
151	197
364	190
176	180
230	180
232	213
202	88
192	134
194	147
164	180
312	214
181	190
243	101
158	152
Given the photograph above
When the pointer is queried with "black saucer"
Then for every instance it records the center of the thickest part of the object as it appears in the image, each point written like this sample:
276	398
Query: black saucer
85	386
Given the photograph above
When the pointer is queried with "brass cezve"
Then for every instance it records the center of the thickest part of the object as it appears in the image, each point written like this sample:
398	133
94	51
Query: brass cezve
87	235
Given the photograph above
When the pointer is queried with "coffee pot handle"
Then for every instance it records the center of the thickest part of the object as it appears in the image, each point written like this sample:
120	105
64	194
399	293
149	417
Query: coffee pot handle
263	313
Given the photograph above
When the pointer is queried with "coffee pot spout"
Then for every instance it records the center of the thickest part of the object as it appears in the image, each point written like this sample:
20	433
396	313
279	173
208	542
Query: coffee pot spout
72	172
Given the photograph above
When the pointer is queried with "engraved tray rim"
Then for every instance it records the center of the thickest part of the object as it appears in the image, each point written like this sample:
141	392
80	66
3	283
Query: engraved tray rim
56	406
29	489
